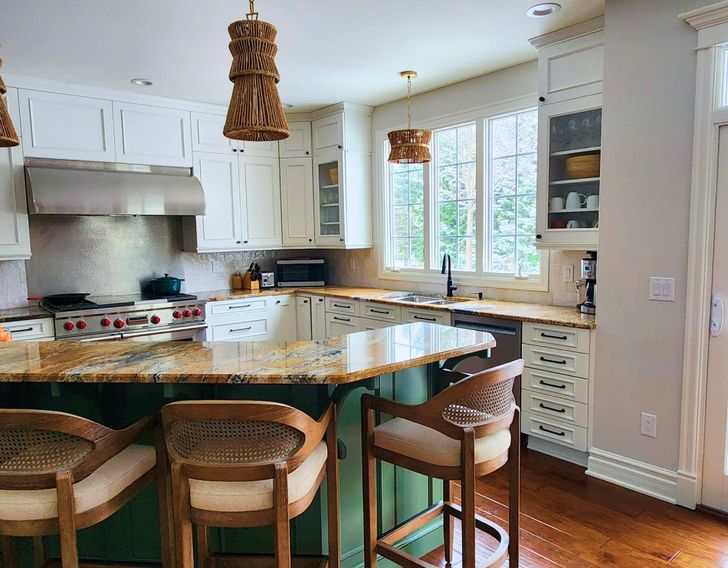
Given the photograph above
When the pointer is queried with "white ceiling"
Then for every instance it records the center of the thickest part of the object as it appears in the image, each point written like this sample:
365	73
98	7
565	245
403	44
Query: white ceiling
329	50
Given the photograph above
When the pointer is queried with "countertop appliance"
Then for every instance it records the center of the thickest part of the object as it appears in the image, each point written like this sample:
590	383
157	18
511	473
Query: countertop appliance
177	317
267	279
587	285
301	272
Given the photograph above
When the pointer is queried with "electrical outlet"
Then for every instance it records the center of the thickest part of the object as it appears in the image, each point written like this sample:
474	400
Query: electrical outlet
648	425
217	266
662	289
568	273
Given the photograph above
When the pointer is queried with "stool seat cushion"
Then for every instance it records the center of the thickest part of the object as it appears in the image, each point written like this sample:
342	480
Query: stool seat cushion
100	487
242	496
430	446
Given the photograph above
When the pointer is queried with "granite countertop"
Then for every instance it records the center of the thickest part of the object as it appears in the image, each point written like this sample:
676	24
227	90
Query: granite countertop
18	314
536	313
338	360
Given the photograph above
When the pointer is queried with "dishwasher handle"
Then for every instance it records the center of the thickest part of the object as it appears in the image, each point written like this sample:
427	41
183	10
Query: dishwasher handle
494	329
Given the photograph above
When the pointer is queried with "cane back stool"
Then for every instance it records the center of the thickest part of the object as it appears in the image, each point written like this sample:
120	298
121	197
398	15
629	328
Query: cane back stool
248	464
465	432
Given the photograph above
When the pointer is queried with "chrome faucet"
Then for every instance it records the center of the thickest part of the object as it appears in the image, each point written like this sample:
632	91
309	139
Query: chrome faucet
447	263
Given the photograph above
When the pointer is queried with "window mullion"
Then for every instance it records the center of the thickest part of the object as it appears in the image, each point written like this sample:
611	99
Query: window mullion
480	195
427	214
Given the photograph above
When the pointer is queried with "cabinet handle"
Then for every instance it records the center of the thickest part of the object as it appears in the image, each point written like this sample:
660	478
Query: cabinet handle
239	307
549	336
341	306
339	146
545	407
551	431
539	236
342	319
378	311
241	329
423	318
20	330
552	361
553	386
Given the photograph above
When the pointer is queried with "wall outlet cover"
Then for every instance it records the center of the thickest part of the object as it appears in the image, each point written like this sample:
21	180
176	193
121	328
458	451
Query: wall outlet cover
648	425
662	289
568	273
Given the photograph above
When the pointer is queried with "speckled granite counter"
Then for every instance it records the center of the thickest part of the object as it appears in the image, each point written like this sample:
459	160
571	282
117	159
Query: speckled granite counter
336	361
536	313
18	314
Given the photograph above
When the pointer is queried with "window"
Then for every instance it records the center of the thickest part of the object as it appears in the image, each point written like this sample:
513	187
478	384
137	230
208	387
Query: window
475	201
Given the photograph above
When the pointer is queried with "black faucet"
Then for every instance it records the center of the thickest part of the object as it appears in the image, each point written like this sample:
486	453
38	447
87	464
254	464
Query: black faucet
446	262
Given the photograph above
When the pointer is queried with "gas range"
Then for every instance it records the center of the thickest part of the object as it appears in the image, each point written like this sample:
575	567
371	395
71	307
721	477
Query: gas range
141	318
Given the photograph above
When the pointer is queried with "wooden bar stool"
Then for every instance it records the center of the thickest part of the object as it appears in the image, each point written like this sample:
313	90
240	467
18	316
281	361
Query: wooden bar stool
248	464
463	433
60	473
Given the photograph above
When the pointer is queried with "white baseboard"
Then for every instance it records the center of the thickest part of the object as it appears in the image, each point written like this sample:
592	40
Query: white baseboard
557	451
687	489
638	476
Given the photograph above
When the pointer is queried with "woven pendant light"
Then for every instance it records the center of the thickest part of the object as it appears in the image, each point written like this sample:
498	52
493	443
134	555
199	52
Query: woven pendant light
410	146
255	112
8	136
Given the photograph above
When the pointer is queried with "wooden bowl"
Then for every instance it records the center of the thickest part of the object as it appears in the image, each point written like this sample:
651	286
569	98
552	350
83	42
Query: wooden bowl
585	166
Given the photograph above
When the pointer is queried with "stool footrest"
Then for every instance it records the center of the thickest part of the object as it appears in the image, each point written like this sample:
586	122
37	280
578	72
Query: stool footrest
400	557
411	525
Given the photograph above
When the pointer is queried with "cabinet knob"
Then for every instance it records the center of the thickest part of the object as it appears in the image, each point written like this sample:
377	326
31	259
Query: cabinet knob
339	146
246	242
310	240
235	149
542	99
342	240
538	236
237	242
307	152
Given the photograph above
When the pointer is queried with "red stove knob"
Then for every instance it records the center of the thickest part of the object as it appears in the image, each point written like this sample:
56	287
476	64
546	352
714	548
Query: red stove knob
68	326
155	319
118	324
187	313
176	314
81	324
105	322
197	312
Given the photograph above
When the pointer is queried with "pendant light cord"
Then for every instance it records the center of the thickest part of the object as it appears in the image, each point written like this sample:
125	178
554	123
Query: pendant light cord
252	14
409	103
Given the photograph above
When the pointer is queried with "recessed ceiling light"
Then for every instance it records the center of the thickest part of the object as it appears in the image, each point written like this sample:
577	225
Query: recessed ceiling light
141	82
543	10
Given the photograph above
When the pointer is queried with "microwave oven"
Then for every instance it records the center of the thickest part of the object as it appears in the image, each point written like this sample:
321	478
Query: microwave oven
301	272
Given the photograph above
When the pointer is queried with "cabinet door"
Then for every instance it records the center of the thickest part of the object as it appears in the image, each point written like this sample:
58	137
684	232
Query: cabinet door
261	201
283	319
152	135
298	144
337	325
567	208
571	69
297	201
66	127
207	134
318	317
303	318
328	133
260	149
328	175
220	228
14	233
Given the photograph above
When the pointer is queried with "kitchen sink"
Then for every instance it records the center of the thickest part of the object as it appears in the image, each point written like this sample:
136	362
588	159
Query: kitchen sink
431	300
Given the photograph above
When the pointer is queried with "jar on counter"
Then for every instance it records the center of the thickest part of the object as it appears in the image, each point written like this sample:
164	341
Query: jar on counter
237	281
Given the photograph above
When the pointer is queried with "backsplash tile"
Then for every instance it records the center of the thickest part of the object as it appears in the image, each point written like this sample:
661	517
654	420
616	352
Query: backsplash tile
13	285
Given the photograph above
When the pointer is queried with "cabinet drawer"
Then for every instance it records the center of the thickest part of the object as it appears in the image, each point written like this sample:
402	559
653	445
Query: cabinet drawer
569	338
236	307
255	328
339	306
27	330
369	324
566	362
381	311
429	316
571	412
562	386
554	431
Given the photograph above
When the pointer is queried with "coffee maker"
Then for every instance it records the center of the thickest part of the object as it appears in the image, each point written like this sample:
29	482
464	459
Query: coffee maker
586	286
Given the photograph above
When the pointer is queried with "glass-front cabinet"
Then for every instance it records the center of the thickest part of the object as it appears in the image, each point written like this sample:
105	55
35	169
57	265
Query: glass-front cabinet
569	154
328	179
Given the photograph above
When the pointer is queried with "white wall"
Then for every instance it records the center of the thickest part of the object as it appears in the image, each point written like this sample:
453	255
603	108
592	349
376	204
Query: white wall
649	84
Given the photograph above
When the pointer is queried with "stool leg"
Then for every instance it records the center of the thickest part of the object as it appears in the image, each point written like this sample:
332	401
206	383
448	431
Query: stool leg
514	490
39	554
10	553
467	498
332	486
369	483
448	520
182	522
203	546
280	504
67	520
166	521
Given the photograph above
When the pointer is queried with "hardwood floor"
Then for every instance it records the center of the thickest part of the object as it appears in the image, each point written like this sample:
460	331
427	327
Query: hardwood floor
570	519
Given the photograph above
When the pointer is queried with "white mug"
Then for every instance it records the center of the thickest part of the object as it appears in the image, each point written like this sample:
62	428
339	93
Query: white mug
592	202
556	204
575	200
573	224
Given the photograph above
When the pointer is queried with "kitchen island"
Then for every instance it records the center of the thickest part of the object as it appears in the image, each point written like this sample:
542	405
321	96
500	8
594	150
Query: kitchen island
118	382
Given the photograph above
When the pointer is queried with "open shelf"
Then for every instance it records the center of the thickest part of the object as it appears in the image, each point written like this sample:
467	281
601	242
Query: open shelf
577	151
580	210
571	181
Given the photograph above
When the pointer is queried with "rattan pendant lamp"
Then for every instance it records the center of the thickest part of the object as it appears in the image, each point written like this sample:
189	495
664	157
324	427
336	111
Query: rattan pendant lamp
412	145
8	136
255	112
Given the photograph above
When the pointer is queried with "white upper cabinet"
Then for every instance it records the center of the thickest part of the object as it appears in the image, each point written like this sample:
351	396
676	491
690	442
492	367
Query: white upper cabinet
259	149
220	228
298	144
14	233
207	134
328	133
152	135
66	126
297	201
261	201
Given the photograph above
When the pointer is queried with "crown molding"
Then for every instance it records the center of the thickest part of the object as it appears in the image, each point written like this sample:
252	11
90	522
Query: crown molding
707	16
577	30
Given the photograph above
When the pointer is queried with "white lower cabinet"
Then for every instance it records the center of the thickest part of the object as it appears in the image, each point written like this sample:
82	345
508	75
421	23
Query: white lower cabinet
337	324
303	318
318	317
246	328
369	324
252	319
429	316
282	317
40	329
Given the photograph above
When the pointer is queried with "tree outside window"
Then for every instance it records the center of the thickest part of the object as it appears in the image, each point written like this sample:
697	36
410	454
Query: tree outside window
407	219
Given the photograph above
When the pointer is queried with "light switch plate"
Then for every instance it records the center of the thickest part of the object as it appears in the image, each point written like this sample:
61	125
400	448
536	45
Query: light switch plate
568	273
662	289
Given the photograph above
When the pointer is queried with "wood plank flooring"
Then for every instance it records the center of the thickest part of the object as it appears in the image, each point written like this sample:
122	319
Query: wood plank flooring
572	520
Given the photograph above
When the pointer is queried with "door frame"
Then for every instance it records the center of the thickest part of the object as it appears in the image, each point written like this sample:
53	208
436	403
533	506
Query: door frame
712	25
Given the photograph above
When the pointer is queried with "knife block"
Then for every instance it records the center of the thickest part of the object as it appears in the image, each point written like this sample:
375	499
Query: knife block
249	284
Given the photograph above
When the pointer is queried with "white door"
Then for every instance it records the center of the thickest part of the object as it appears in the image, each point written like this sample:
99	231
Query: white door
207	134
303	318
260	188
297	201
220	228
715	460
318	317
328	133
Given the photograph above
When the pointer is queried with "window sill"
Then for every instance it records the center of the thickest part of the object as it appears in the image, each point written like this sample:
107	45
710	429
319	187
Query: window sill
434	277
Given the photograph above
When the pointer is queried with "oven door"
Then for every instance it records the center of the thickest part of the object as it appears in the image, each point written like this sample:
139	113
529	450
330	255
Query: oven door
187	333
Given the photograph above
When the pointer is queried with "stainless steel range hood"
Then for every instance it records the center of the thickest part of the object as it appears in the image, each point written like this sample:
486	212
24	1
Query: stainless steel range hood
62	187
